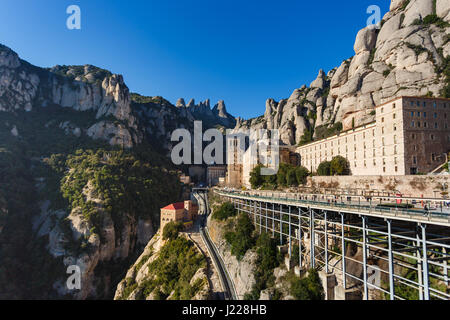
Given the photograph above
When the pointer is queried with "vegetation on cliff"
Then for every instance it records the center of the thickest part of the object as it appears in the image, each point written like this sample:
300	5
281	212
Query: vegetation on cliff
40	161
307	288
170	272
240	235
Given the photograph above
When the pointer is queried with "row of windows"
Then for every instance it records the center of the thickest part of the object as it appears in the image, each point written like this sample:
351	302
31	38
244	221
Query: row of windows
374	163
424	104
424	114
434	158
419	124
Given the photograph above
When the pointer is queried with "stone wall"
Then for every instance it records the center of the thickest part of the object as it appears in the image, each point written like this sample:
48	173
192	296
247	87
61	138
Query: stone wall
415	186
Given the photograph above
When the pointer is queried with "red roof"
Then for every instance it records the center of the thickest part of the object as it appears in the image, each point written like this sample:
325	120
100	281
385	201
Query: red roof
175	206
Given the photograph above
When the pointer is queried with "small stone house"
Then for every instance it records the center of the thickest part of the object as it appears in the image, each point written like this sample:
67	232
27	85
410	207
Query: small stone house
185	212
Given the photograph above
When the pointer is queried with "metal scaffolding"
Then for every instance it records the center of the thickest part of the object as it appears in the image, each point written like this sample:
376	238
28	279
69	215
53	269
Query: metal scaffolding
379	256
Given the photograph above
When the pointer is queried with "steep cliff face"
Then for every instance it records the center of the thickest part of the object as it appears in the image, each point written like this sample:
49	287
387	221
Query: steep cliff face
241	271
408	55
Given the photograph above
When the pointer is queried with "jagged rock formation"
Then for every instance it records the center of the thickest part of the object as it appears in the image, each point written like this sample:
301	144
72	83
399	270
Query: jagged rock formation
119	117
407	56
158	118
212	117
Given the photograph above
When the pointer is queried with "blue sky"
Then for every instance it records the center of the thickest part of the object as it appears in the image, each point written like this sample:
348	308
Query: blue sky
243	52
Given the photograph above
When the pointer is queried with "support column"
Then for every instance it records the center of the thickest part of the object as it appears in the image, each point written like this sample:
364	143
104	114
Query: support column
300	238
290	240
254	212
281	224
344	280
311	233
267	218
326	241
426	285
366	291
444	251
391	262
273	220
260	218
419	264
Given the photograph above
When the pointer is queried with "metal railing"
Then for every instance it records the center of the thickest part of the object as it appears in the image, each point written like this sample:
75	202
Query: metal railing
416	215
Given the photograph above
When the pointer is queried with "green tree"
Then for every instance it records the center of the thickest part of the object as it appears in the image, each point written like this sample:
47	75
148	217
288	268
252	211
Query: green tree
324	168
271	180
340	166
242	239
291	177
171	230
256	180
301	174
281	174
225	211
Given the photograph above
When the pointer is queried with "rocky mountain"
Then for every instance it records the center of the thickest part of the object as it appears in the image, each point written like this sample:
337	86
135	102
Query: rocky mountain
158	118
81	88
217	116
408	56
118	117
92	155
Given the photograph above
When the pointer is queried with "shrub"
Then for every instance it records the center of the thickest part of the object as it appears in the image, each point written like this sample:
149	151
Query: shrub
308	288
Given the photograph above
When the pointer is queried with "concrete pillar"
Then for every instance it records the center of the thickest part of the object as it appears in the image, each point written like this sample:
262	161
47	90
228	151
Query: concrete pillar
329	284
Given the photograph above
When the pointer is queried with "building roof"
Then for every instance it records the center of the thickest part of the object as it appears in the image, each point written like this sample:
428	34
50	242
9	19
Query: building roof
174	206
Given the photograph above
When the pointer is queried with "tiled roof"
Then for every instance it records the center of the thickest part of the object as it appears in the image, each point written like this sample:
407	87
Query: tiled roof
175	206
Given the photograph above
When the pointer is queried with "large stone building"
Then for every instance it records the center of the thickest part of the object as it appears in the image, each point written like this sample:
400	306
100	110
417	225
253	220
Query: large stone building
184	212
410	135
